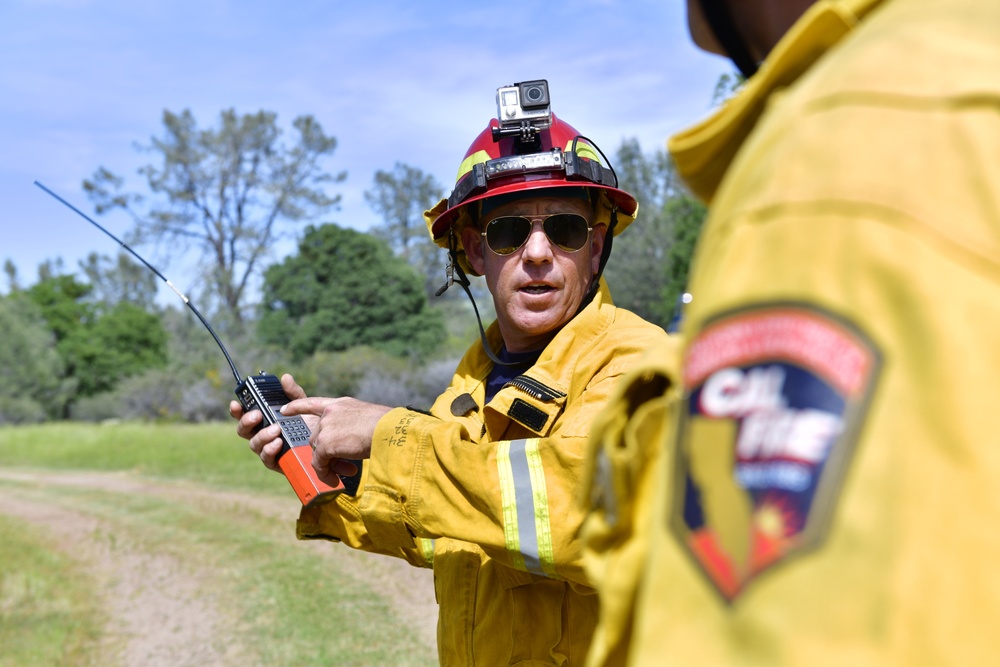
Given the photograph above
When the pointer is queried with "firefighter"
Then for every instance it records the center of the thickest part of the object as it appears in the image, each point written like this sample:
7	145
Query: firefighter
482	488
814	480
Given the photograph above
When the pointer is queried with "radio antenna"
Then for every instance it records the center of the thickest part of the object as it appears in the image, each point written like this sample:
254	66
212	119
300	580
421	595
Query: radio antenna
236	373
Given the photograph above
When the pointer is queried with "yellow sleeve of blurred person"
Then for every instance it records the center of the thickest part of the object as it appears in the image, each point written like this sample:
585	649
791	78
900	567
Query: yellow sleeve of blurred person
623	472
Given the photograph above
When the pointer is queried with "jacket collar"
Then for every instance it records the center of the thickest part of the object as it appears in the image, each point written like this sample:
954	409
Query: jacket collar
585	325
552	367
545	385
703	152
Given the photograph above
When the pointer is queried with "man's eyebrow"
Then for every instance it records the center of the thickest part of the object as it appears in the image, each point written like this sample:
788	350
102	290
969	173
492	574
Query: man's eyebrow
551	207
560	207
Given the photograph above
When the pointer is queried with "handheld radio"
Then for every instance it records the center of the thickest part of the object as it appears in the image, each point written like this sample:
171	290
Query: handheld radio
261	392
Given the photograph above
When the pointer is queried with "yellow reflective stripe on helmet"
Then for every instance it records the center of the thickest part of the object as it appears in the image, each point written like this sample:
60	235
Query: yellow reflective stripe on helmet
426	549
524	496
469	162
583	149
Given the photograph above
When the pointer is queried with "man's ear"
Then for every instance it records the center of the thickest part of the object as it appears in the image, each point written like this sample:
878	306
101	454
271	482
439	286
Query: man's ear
596	247
472	242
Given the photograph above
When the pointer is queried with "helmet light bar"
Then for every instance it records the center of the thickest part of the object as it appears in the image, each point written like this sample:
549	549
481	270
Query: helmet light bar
575	167
525	163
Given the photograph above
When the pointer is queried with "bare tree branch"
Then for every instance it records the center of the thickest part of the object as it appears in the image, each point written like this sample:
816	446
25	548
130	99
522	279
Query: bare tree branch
228	189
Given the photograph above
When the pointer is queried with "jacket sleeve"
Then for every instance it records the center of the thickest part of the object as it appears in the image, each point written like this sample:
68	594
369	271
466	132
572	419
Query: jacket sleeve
513	499
516	499
340	521
625	458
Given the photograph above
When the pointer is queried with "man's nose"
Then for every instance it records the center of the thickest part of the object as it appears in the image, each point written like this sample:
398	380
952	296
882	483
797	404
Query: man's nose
537	248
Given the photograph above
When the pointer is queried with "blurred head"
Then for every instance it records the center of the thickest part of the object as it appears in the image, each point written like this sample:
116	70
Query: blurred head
701	31
744	31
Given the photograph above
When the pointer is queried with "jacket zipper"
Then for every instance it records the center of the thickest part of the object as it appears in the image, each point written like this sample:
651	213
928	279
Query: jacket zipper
532	386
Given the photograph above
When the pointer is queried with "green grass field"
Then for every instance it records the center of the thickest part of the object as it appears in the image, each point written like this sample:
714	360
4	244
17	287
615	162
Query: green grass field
47	615
283	604
209	454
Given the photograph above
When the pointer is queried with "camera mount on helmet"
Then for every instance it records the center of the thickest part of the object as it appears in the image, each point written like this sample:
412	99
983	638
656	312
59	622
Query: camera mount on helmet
523	110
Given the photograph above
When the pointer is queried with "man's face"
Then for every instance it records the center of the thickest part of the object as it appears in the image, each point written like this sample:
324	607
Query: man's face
539	287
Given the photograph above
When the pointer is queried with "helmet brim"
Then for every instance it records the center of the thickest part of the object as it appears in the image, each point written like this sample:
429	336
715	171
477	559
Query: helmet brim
620	199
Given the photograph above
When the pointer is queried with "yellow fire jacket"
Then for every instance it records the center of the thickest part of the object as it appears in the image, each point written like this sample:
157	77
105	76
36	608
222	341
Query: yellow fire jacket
815	480
485	493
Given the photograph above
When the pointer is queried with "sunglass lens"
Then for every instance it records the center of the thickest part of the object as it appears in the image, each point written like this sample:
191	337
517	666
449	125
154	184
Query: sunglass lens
506	234
568	231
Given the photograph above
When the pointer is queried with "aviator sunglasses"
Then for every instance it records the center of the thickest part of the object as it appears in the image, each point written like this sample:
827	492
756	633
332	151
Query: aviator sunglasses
567	231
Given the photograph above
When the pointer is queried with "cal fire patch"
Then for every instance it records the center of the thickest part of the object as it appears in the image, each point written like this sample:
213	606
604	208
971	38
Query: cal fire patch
774	399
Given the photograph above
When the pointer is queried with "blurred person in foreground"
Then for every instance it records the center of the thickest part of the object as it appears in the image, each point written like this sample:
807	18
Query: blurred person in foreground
482	488
816	479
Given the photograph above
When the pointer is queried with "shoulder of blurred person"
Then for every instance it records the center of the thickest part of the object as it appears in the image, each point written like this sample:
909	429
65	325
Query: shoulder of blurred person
849	233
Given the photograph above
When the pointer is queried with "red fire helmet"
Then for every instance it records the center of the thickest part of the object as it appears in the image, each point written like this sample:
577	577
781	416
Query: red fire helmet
560	157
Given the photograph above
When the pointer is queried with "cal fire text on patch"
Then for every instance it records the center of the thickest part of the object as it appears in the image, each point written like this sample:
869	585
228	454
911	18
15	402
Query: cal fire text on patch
774	399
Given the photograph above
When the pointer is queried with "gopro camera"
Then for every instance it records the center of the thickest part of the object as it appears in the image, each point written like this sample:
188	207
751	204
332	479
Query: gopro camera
523	107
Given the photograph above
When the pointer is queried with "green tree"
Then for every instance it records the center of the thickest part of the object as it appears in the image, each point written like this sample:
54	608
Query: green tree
344	289
10	270
98	344
123	341
688	215
401	197
728	85
35	387
226	191
62	301
635	271
649	264
120	280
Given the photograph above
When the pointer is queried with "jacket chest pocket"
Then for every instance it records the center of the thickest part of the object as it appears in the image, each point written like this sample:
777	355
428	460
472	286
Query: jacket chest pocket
527	402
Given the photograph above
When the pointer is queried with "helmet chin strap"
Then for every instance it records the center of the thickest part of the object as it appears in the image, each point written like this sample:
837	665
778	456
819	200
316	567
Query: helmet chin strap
720	20
457	276
595	284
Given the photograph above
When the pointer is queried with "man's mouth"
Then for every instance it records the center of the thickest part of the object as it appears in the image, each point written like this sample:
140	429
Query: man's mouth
537	289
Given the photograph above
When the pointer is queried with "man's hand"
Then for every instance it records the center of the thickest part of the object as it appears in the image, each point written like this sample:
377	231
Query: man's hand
266	442
342	428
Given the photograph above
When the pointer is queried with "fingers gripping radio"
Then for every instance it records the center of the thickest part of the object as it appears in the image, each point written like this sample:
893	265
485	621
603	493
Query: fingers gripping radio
262	392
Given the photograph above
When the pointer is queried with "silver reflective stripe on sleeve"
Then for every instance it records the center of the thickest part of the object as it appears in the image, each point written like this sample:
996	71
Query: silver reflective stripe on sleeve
527	529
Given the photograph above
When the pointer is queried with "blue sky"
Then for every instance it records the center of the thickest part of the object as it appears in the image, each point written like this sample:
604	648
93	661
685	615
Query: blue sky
83	81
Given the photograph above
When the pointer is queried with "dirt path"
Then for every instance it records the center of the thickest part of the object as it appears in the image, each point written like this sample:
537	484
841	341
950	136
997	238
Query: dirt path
161	612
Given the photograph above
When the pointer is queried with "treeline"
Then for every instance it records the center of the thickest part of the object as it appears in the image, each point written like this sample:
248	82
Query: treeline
348	313
75	347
